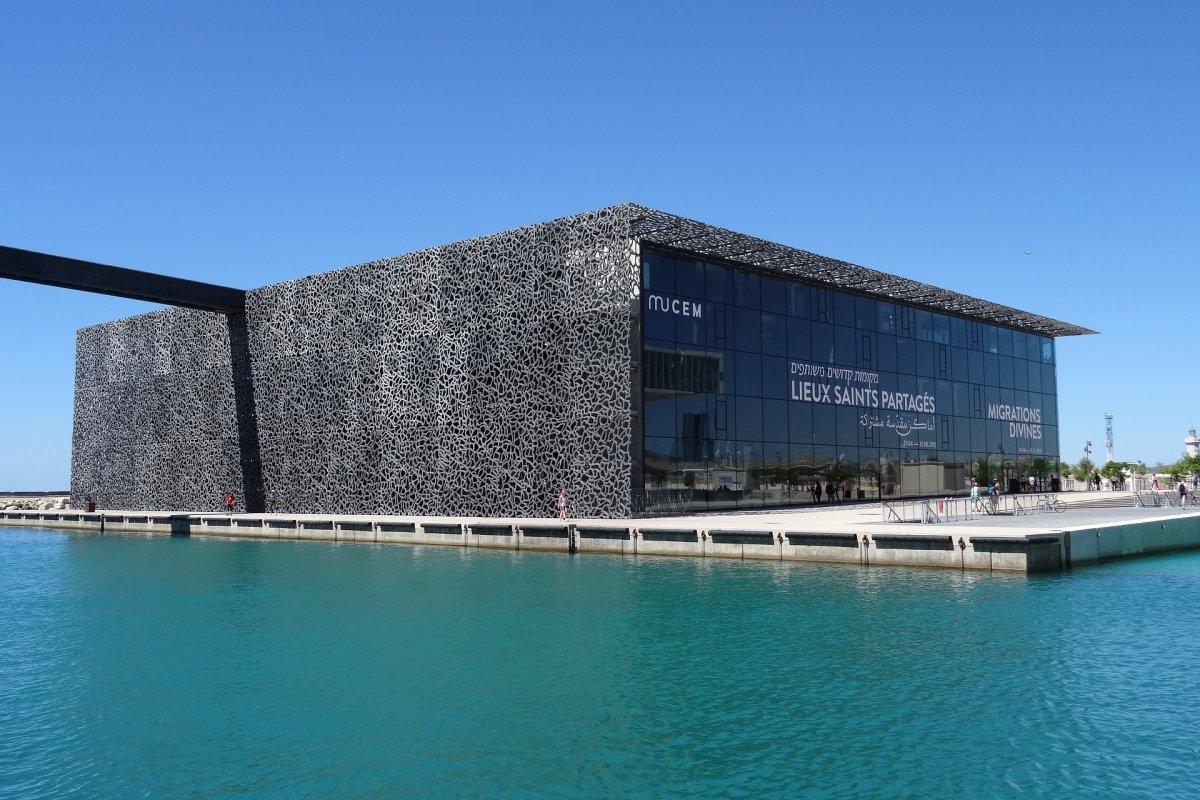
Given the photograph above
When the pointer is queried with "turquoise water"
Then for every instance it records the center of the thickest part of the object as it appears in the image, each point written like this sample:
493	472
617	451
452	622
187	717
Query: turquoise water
194	668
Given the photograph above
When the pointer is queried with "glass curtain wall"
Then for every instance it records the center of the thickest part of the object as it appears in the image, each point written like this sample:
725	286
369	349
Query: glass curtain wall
760	391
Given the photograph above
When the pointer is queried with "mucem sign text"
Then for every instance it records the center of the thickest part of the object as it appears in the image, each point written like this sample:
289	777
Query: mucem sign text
674	305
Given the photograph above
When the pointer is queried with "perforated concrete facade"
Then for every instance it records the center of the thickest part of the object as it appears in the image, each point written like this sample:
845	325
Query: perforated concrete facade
475	378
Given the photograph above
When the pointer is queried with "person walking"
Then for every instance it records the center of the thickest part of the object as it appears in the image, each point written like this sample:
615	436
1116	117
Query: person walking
830	492
229	502
1032	484
993	495
563	504
1183	495
815	489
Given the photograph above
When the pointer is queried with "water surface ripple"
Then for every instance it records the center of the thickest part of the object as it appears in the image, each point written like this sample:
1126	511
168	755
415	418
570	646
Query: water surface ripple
159	667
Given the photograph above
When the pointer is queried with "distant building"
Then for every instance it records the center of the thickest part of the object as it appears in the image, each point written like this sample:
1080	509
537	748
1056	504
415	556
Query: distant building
1191	444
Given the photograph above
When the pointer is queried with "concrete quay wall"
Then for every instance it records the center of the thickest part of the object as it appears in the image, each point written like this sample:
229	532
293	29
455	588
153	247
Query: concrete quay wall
1018	553
1109	542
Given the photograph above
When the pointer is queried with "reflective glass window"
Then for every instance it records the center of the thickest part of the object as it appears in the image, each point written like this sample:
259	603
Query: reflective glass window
657	324
941	360
865	313
925	363
774	335
991	369
958	332
991	342
1048	382
847	421
747	326
1020	374
843	345
822	305
690	329
961	399
958	364
887	317
975	371
719	325
1005	344
726	451
658	273
800	422
694	421
749	474
924	325
689	279
774	296
799	338
746	289
866	350
822	342
749	418
906	319
941	329
660	414
749	375
774	377
824	428
798	300
886	349
718	284
843	309
1047	350
1005	370
906	355
775	420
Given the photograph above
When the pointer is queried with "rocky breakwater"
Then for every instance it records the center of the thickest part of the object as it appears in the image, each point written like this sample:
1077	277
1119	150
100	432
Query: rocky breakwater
34	502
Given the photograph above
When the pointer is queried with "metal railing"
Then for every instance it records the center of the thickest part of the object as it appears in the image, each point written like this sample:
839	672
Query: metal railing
1159	498
959	509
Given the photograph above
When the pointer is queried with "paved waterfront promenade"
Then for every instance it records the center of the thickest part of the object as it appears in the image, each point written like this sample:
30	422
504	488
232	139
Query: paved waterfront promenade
855	534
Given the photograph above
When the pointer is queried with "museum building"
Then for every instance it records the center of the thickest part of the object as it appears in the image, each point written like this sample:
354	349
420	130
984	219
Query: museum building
646	362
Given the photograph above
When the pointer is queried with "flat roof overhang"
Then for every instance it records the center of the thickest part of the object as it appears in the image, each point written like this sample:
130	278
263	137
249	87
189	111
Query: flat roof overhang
685	236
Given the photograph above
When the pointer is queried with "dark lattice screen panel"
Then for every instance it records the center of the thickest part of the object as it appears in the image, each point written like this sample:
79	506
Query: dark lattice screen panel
154	413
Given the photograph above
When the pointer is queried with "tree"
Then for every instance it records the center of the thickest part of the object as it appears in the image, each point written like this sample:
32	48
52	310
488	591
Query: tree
1084	470
1188	465
1113	470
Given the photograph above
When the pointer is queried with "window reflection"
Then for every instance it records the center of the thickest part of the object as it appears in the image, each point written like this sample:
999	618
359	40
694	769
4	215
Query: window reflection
723	429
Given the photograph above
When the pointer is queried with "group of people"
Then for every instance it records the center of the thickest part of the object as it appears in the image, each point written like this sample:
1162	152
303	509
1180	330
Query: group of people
992	492
1181	488
832	492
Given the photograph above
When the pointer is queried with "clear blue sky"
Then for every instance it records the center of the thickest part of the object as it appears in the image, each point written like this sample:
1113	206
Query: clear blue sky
249	143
